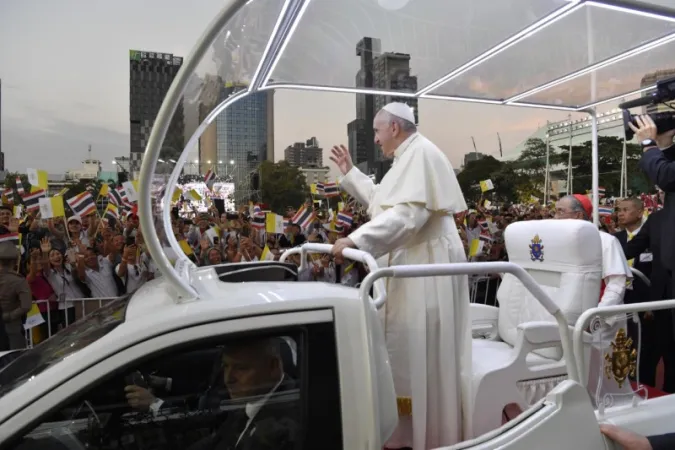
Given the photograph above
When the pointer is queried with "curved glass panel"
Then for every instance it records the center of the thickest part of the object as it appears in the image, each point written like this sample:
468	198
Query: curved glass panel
220	149
418	40
625	76
586	36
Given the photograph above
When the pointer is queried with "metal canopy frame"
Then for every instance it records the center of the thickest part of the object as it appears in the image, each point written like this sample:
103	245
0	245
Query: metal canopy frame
287	22
293	11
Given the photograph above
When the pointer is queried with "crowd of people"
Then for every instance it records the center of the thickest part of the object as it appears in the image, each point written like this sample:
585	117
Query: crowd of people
48	264
89	257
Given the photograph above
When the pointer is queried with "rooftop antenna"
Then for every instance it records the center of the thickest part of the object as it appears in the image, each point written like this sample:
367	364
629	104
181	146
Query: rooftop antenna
499	139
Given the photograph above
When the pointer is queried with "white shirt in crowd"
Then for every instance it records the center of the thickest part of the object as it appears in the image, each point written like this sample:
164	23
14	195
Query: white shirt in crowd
101	281
64	286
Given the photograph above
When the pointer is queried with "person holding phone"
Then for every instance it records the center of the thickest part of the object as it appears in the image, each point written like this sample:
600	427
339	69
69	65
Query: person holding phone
129	269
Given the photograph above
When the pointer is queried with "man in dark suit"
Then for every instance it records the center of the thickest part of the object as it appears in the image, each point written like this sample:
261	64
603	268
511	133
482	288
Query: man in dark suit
658	162
658	340
269	419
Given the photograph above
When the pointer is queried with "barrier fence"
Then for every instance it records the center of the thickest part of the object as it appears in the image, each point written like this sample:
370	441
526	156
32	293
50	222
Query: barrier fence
482	289
53	320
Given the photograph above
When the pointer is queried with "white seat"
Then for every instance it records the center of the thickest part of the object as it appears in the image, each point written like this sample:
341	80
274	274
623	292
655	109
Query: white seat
519	359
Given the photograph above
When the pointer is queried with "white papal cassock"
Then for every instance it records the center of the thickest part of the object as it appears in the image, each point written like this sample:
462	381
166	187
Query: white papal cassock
426	320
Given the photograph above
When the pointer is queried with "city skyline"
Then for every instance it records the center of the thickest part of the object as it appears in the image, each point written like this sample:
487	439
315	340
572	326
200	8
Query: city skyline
52	115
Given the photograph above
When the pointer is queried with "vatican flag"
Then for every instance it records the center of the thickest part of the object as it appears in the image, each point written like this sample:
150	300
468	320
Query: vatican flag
52	207
38	178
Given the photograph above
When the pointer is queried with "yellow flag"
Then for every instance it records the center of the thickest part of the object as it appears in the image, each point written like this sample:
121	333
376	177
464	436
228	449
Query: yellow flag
265	255
104	190
176	195
186	247
486	185
38	178
62	192
194	195
270	224
52	207
341	206
476	247
312	188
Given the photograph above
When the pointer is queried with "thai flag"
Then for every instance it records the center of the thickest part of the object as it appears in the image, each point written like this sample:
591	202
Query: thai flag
19	187
345	219
82	204
331	190
8	196
32	201
114	197
485	236
483	224
601	191
319	189
304	217
605	211
10	237
210	178
258	218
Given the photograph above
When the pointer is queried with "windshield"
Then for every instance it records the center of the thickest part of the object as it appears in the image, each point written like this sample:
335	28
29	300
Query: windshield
63	344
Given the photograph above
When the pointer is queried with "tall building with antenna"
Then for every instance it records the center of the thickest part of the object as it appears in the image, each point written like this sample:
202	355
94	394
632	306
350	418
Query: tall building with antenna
150	75
2	154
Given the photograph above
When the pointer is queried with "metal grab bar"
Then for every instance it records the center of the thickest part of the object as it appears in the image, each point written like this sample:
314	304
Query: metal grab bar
348	253
641	276
437	270
604	311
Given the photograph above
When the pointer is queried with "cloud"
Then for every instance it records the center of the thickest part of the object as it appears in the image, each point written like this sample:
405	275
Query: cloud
60	146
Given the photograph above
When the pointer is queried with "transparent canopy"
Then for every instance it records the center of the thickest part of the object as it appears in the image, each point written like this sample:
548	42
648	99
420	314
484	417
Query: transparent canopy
560	54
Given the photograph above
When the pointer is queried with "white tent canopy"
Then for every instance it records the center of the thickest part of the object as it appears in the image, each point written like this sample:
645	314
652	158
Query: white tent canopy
559	54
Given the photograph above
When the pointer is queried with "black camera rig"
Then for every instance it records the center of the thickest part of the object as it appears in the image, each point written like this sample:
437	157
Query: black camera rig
665	121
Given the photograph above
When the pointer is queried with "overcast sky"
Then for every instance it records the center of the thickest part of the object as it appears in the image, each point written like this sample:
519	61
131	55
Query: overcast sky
64	68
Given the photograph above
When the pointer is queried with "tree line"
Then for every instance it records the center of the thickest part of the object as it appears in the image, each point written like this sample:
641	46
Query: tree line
519	179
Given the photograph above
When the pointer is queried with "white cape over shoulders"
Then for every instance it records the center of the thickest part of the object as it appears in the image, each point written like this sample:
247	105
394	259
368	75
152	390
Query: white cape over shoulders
426	320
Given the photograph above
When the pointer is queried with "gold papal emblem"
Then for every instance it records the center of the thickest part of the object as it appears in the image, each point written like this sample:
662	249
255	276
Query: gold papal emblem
622	361
404	405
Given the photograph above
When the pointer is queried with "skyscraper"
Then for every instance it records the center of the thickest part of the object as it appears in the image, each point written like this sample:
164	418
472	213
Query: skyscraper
304	154
243	137
360	131
2	154
383	71
150	75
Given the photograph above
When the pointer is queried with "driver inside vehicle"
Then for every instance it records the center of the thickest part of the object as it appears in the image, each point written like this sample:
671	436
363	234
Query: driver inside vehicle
263	403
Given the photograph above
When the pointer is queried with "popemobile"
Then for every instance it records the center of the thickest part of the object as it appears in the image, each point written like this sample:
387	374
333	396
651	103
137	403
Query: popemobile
246	356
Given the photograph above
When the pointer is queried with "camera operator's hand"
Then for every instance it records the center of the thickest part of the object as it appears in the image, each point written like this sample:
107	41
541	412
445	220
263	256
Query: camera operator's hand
646	128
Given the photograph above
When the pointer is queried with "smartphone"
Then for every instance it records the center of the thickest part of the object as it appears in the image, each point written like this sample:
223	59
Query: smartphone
130	241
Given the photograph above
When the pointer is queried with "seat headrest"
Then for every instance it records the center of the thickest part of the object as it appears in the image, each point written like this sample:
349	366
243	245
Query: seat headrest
564	245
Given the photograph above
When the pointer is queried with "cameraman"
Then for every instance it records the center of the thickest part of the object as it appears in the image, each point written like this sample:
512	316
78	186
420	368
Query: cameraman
658	162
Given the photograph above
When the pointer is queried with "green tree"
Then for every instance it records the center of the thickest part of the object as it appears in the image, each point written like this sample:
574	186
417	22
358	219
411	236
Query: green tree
532	162
476	171
511	184
610	151
10	180
282	185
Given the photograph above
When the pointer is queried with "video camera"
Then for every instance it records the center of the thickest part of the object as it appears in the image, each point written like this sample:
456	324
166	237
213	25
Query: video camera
665	121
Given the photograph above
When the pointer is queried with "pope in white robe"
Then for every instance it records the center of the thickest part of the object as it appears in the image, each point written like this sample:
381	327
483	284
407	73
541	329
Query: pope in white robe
426	320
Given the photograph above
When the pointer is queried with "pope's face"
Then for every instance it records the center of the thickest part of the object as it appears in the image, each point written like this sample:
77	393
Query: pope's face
385	135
